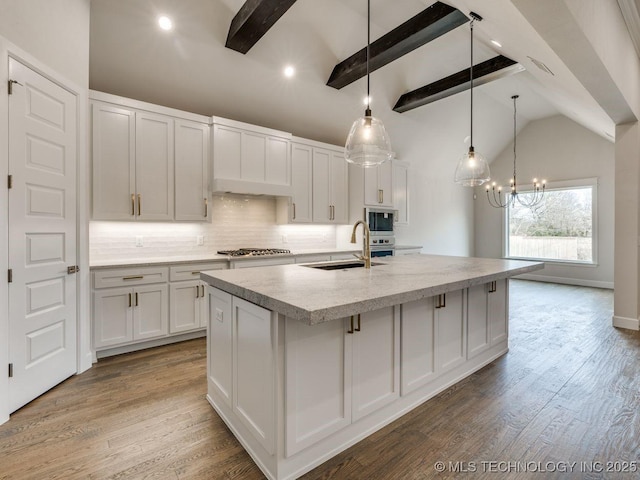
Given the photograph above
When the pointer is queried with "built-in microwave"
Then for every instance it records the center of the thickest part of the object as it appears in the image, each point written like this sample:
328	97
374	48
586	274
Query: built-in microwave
380	220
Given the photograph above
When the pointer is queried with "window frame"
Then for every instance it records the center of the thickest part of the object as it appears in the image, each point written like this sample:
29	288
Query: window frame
561	185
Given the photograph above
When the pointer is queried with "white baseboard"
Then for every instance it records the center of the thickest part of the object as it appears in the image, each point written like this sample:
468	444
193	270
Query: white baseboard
158	342
625	322
566	281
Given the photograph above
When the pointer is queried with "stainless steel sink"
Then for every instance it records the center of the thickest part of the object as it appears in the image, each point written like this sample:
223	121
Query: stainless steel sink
340	265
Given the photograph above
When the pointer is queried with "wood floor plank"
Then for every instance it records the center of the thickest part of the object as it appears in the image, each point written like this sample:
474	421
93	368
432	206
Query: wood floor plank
568	390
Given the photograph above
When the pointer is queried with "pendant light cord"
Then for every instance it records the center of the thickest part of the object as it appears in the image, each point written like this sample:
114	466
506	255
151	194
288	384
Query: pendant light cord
368	47
514	141
471	86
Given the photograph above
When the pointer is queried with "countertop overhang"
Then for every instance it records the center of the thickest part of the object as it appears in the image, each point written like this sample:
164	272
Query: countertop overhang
315	296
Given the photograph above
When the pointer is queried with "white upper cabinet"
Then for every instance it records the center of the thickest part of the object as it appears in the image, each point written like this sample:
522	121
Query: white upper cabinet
113	152
250	159
154	167
300	210
401	192
319	181
370	187
191	172
149	162
330	197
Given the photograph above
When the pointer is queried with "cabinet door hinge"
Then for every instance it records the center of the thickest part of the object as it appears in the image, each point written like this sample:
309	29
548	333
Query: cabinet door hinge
9	181
10	276
10	86
10	370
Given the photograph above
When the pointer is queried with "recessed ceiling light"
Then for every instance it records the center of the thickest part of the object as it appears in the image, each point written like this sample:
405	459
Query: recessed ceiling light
165	23
289	71
496	43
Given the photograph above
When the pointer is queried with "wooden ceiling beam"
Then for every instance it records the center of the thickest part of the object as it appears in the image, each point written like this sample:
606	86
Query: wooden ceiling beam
485	72
426	26
253	20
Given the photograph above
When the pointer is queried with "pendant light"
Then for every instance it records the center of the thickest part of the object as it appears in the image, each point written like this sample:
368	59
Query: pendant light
472	169
534	196
368	143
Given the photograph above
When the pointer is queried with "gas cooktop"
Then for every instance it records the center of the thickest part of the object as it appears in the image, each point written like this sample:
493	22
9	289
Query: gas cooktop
253	252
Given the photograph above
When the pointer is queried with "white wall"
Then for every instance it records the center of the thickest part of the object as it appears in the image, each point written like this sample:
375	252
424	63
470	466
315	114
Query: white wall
55	32
555	148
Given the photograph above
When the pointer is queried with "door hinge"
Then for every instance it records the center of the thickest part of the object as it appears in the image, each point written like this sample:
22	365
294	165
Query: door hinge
10	276
9	181
10	85
10	370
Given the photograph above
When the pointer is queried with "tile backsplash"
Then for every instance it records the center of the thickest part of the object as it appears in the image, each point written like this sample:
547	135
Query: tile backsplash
238	221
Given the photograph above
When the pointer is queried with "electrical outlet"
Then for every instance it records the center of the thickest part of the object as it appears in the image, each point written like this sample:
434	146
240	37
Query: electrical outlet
139	242
285	239
200	240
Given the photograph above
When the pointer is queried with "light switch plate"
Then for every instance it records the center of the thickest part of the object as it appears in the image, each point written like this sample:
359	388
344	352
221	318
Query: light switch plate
139	242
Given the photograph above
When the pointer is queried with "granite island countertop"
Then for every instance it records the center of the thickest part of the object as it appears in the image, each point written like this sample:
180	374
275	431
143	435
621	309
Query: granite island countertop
313	296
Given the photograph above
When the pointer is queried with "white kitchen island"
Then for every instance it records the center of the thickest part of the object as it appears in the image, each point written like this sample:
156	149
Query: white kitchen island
305	362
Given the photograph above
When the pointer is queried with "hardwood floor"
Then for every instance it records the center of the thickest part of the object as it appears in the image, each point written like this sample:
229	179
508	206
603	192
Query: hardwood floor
567	391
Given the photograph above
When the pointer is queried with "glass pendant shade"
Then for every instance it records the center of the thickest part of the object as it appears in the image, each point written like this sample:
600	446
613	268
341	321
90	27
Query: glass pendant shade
472	169
368	143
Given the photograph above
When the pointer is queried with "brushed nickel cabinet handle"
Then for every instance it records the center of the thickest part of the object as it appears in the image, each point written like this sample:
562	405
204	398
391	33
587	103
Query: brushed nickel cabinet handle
139	204
133	277
133	204
206	208
136	299
129	300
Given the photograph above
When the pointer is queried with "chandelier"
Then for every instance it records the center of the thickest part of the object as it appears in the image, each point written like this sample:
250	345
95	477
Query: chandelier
534	197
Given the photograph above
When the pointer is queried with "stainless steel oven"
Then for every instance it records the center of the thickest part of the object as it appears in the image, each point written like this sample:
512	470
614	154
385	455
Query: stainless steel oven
382	245
380	221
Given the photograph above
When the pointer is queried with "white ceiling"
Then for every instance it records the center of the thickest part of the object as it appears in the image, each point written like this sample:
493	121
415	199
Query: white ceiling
189	68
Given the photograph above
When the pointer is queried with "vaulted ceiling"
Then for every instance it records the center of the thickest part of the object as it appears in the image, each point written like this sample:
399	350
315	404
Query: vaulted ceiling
191	69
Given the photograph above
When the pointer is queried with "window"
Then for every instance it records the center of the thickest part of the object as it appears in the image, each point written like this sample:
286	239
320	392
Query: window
562	227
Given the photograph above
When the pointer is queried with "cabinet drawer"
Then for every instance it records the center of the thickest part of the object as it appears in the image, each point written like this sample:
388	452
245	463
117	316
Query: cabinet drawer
126	277
192	271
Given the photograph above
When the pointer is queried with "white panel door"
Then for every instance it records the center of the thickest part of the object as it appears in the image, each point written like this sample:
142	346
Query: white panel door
154	167
477	320
498	311
191	158
227	150
219	344
42	234
450	331
376	361
112	316
385	183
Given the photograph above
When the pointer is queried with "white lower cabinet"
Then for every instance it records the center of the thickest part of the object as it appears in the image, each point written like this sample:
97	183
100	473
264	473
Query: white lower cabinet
488	316
123	315
132	306
241	352
188	306
297	394
433	338
338	372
